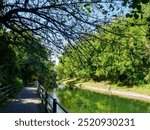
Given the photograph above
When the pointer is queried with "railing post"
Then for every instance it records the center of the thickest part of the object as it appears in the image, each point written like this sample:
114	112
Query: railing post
46	98
54	106
5	97
42	96
36	83
38	86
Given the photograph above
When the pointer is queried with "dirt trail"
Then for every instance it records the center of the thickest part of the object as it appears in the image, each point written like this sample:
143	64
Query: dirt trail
27	101
127	94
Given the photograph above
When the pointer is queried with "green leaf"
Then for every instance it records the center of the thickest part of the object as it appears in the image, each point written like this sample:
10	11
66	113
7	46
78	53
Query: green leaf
136	16
125	2
129	15
145	1
88	7
111	7
139	7
148	19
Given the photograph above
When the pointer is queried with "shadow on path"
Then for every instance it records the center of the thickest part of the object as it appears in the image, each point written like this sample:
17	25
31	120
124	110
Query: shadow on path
27	101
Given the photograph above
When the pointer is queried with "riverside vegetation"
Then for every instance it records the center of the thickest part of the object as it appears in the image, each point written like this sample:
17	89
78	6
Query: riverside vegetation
82	101
121	58
115	50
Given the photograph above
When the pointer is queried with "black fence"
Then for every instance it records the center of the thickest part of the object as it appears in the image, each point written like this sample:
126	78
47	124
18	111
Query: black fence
51	104
6	92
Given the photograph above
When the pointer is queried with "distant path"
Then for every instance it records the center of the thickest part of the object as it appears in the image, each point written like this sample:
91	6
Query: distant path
127	94
27	101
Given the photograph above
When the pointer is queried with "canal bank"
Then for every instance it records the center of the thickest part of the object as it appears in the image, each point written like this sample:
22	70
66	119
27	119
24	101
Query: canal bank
78	100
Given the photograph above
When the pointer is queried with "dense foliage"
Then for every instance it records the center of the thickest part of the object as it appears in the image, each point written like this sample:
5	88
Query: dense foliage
24	60
121	54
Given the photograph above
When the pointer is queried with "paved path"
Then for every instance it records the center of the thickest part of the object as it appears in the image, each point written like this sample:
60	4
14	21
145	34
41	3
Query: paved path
27	101
127	94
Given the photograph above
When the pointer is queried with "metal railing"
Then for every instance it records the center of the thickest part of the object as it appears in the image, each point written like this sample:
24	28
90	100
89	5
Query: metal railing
51	104
6	91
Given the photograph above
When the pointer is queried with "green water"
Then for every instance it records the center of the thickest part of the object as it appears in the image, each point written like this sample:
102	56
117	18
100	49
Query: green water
84	101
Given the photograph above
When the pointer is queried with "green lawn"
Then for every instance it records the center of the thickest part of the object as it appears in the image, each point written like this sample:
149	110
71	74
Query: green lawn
143	89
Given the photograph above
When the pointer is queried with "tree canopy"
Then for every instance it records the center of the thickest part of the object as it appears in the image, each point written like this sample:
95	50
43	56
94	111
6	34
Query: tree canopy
24	60
82	30
122	56
60	21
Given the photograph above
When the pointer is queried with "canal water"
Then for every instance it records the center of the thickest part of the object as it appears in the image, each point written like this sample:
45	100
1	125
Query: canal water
55	94
91	102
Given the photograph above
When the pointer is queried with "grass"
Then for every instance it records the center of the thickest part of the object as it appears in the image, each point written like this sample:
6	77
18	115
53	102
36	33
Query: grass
143	89
84	101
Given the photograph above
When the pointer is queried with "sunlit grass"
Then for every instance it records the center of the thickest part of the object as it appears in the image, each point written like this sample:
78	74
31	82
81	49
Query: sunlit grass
143	89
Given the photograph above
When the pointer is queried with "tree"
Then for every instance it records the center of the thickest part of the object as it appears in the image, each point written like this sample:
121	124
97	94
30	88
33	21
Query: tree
121	58
56	21
24	60
9	68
